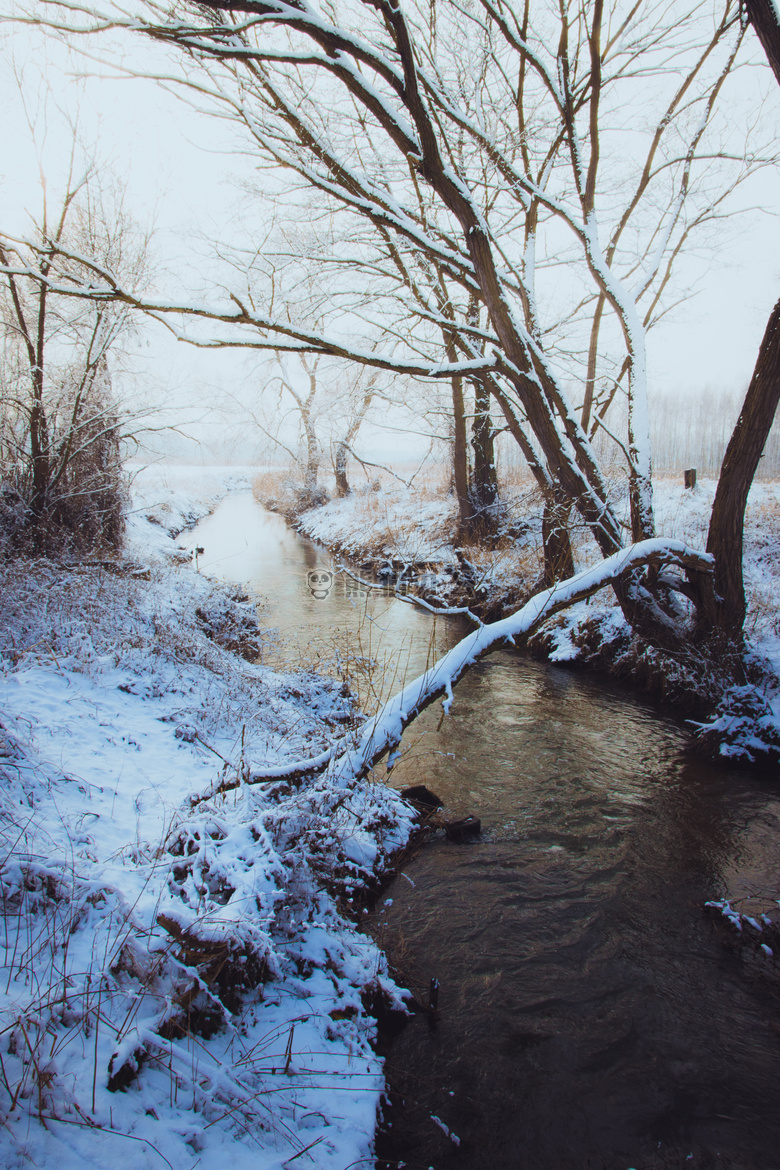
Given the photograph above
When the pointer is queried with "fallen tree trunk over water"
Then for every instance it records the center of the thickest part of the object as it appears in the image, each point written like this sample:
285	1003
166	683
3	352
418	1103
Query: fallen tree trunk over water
345	764
383	732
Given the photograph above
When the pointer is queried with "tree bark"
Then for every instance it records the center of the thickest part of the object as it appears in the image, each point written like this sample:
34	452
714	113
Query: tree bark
343	445
313	455
740	463
340	469
763	17
460	466
556	543
725	611
484	480
558	556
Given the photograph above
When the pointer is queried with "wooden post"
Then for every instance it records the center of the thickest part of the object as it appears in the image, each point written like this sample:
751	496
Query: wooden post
690	477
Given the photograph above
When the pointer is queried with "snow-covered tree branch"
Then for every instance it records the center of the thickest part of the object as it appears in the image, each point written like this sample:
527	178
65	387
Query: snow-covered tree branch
482	149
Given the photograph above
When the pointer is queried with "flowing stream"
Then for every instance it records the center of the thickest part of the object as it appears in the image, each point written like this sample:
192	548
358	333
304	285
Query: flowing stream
590	1013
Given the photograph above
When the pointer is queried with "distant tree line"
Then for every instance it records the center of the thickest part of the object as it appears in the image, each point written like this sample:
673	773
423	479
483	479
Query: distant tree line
692	429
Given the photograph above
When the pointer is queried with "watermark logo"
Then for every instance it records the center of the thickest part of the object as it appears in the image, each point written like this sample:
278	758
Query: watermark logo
320	582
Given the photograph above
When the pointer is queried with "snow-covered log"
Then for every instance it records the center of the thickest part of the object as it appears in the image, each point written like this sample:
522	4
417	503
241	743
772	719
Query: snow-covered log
384	730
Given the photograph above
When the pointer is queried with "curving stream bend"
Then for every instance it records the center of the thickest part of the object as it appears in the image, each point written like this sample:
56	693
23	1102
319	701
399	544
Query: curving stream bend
590	1014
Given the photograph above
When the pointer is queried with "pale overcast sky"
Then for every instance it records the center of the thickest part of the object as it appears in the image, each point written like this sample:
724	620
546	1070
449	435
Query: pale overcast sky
182	180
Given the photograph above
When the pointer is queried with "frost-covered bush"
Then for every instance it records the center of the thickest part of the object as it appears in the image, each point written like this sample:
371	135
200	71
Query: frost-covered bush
82	504
743	727
12	519
230	620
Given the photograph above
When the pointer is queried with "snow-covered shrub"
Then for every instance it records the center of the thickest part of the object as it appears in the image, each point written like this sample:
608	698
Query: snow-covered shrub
80	503
284	493
12	514
191	1000
230	620
744	727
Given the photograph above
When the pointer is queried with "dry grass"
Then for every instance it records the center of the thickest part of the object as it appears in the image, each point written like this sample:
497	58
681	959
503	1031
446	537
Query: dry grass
762	549
269	484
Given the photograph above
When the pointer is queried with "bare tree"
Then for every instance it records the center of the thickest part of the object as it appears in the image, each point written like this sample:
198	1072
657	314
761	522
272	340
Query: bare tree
459	134
328	402
305	405
359	398
61	427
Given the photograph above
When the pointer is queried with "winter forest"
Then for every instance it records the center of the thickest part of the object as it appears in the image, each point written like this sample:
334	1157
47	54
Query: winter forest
389	564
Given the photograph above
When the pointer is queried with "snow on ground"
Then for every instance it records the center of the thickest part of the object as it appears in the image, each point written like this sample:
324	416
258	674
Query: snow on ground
395	524
412	531
683	514
182	983
168	499
746	723
406	526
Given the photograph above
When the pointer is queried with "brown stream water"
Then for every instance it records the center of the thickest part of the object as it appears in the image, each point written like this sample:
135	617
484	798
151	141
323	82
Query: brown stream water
590	1013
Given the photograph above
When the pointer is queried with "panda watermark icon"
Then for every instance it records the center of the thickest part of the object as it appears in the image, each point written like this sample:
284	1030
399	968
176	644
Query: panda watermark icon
320	582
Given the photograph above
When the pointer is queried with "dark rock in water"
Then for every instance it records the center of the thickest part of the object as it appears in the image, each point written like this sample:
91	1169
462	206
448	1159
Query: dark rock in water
419	794
390	1018
463	830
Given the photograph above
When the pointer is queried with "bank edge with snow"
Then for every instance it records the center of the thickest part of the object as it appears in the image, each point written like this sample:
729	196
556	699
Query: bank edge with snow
408	535
182	978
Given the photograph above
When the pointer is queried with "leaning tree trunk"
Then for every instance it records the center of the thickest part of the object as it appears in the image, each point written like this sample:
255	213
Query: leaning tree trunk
726	611
740	463
558	556
556	542
763	16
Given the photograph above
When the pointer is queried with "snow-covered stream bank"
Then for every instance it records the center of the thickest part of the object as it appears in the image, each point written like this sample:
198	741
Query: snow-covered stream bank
320	615
410	532
182	983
